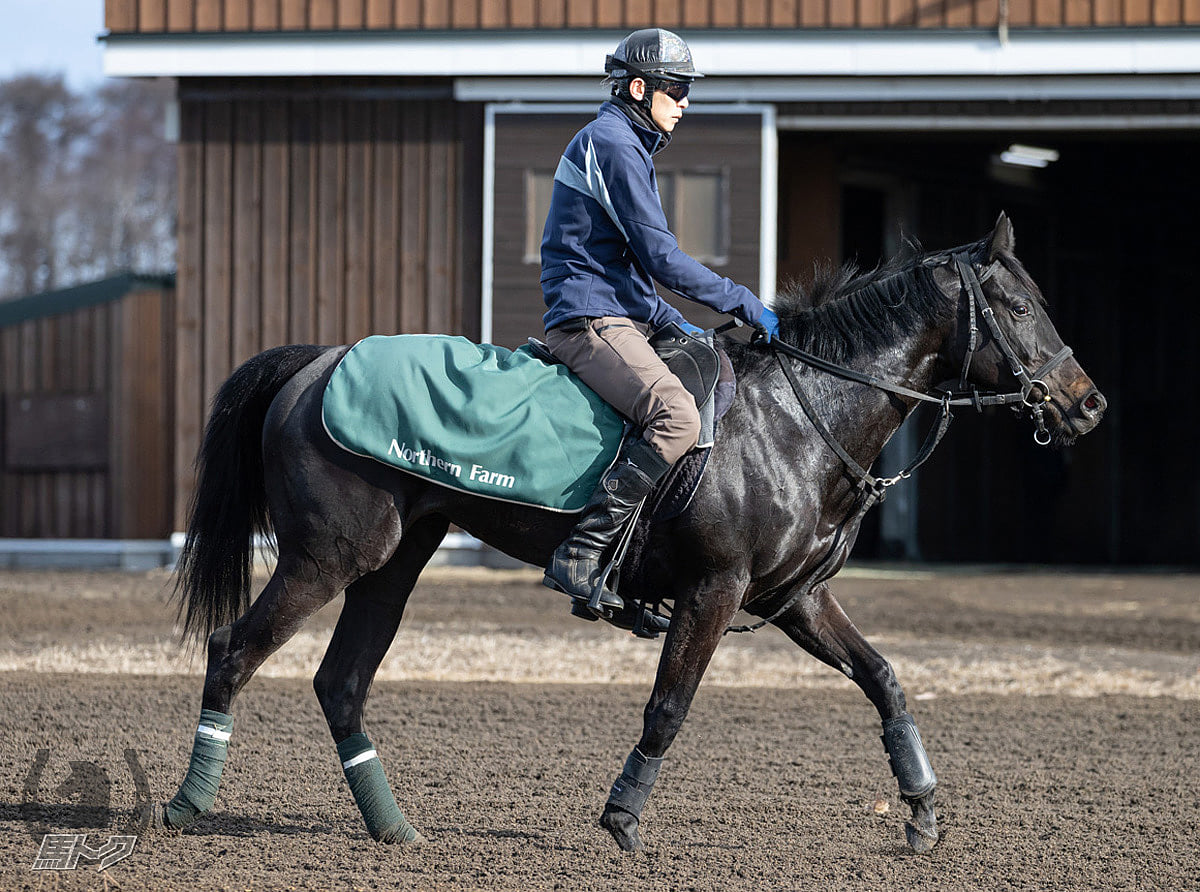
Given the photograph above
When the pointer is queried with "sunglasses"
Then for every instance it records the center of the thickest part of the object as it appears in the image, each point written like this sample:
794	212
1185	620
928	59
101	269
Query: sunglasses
674	89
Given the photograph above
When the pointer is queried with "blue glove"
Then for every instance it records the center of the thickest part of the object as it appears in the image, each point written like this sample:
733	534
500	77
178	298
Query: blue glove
694	330
767	326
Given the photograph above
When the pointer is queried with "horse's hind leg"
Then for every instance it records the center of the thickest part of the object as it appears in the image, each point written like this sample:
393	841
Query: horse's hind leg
296	590
374	606
818	624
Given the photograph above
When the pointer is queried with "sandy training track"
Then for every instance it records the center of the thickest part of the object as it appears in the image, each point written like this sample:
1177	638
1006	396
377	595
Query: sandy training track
1061	713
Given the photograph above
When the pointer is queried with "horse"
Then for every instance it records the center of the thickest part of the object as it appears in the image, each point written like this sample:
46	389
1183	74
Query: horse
772	521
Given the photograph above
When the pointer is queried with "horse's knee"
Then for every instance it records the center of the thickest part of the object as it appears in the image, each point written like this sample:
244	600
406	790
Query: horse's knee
889	685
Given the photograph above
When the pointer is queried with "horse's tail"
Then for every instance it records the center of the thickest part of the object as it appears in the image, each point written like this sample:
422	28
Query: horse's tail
229	506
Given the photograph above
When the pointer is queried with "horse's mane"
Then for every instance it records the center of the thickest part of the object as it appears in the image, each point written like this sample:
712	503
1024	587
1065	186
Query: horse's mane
846	312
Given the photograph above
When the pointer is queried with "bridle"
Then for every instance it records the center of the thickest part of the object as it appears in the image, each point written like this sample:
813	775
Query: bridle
1033	394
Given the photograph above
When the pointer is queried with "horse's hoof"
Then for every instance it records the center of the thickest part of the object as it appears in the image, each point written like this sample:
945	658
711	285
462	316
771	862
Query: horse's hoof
403	835
151	817
624	828
920	841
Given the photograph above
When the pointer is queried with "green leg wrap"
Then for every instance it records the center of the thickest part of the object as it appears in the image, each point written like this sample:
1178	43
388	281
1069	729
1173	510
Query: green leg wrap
367	782
198	791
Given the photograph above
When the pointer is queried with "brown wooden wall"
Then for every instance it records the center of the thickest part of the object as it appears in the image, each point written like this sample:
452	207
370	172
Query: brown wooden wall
309	214
152	16
86	418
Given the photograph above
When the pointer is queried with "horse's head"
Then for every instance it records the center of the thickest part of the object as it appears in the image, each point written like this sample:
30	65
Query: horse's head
1006	342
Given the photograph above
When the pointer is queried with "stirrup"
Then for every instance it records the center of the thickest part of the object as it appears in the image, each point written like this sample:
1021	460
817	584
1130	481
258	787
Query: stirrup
602	596
580	609
638	618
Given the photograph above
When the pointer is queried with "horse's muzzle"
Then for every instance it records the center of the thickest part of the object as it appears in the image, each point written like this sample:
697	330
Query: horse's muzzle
1083	414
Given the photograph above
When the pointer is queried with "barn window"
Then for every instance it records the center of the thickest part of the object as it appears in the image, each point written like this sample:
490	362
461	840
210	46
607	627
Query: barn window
696	203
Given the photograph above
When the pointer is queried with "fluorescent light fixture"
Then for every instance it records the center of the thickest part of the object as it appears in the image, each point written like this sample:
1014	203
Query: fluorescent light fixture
1028	156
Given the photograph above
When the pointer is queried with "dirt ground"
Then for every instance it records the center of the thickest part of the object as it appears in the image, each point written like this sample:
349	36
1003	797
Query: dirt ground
1061	712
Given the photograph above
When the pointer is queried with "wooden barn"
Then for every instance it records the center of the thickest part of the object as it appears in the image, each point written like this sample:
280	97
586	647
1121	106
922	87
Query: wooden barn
87	379
370	166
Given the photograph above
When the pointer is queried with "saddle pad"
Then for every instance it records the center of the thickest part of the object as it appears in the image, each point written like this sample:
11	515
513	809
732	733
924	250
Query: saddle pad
474	417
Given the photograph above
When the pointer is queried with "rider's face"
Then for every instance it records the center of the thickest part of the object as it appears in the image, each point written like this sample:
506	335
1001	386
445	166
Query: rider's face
665	111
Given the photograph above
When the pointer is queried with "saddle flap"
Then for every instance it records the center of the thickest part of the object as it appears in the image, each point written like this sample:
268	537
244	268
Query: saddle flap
691	359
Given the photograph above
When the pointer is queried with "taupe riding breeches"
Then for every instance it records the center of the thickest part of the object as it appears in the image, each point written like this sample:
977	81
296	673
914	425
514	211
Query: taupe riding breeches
612	356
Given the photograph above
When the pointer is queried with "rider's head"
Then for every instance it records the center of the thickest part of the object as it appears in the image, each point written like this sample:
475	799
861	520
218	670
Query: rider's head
652	68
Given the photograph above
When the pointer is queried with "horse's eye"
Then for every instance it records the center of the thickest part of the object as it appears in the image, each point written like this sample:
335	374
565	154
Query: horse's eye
1020	309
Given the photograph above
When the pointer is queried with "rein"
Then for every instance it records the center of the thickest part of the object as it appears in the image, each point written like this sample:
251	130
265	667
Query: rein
872	489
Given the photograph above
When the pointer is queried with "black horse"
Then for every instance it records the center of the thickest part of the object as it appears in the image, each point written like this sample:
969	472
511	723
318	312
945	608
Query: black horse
773	519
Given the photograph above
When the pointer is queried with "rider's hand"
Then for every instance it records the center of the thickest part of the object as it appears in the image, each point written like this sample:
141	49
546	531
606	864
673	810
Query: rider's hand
767	326
694	330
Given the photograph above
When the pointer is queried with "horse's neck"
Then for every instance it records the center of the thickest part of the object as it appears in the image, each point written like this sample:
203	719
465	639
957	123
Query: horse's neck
863	418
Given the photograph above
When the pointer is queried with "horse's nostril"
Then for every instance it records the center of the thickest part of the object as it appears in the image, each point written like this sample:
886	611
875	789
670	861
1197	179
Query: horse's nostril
1094	403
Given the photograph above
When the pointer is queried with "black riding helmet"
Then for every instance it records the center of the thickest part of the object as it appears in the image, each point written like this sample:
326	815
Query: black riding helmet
657	56
651	53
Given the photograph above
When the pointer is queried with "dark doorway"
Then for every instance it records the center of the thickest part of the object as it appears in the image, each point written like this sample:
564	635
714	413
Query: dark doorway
1108	232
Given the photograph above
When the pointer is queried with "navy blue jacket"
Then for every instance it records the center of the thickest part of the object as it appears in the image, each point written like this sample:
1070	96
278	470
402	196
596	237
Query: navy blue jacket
606	237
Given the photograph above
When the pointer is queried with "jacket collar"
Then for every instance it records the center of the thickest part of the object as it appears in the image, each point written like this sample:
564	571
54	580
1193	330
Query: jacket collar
654	140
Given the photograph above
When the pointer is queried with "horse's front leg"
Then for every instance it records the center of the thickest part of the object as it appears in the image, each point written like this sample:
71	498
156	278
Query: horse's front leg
818	624
697	625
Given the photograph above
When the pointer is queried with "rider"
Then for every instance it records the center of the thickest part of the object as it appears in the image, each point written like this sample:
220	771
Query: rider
605	243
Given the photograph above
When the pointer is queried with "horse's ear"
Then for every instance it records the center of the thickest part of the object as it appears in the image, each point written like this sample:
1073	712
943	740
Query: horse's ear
1003	240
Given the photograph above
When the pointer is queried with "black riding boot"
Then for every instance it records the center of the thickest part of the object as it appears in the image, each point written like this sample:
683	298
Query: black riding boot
575	565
